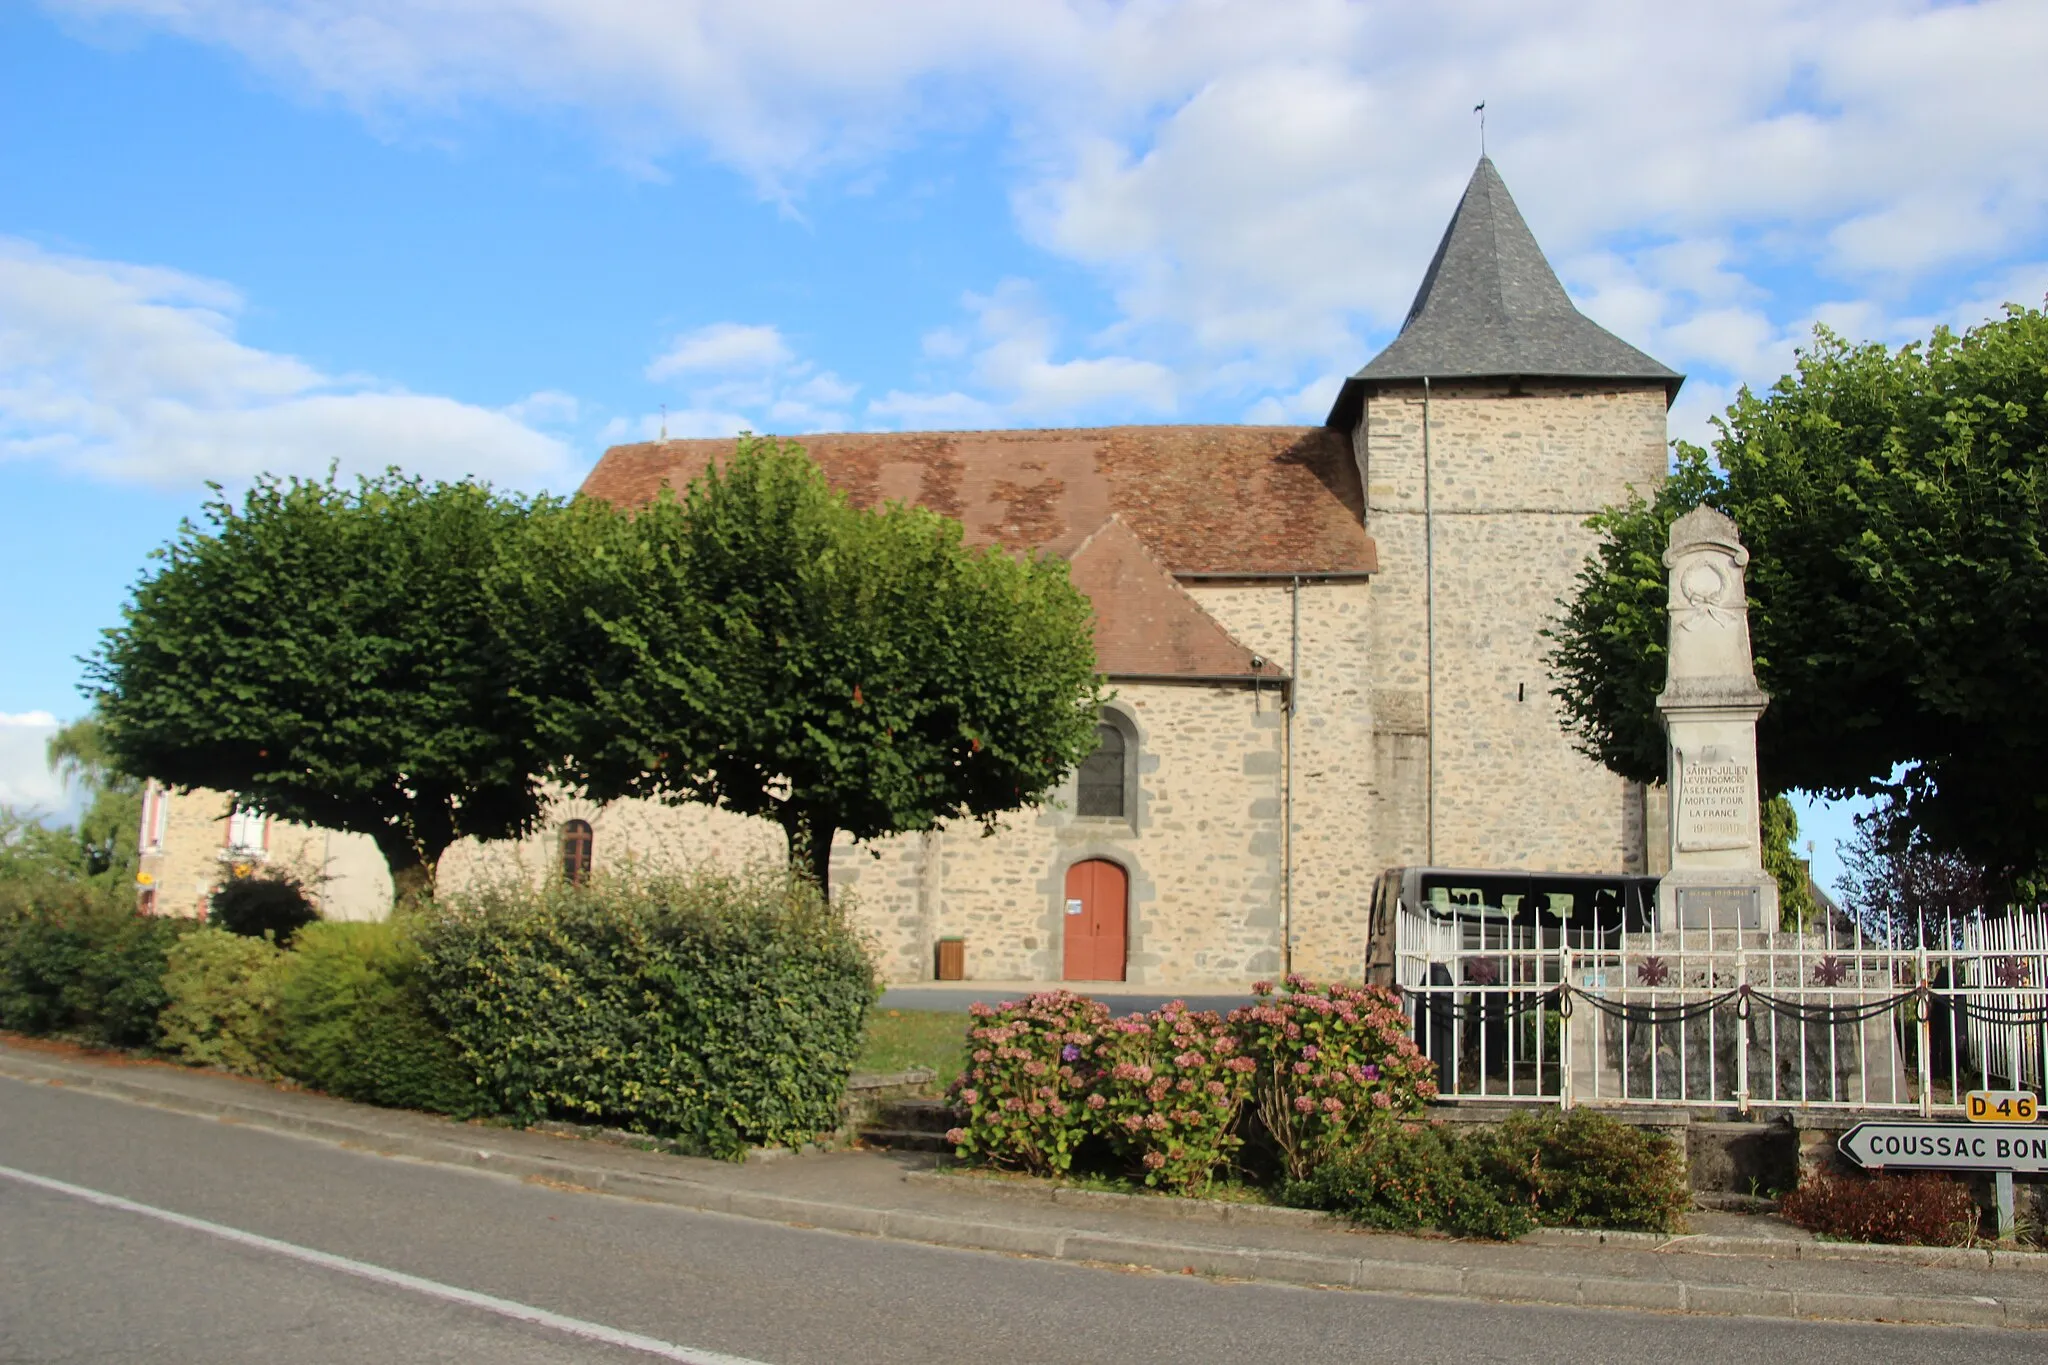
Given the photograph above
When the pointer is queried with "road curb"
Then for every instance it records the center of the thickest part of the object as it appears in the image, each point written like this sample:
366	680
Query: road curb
1088	1247
1700	1244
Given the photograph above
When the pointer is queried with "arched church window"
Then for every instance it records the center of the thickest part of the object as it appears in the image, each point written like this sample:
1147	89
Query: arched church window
576	842
1101	777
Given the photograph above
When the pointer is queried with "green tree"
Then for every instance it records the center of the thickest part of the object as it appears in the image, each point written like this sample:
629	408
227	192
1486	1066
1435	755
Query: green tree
1779	826
1902	888
101	845
328	654
32	853
1893	505
763	646
109	830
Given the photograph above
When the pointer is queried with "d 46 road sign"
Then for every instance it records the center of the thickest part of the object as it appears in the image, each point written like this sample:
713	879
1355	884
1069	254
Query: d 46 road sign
2000	1106
1948	1147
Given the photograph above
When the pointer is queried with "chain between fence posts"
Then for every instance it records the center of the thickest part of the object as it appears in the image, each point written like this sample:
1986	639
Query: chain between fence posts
1741	1027
1926	1017
1564	1024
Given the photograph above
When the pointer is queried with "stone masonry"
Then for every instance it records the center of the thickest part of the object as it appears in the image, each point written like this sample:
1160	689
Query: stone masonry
1515	470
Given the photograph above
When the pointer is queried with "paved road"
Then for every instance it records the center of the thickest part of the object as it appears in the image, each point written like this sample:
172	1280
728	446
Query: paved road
82	1280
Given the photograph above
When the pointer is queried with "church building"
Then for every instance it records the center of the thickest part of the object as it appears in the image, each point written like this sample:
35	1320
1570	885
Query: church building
1323	647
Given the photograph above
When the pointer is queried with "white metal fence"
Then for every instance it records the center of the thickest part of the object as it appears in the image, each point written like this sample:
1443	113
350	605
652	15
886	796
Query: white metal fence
1514	1003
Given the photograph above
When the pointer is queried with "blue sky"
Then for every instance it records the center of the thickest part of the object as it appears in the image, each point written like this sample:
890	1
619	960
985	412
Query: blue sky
493	236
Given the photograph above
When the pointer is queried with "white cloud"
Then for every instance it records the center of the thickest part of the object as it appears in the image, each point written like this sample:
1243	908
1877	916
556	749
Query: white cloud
26	782
133	373
949	411
741	376
548	407
1258	183
722	348
1009	358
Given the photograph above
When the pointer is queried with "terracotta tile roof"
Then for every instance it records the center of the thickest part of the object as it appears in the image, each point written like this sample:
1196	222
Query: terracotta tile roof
1146	625
1204	500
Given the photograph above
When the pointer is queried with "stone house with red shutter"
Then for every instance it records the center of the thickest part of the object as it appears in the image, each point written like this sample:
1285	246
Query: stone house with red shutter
1324	647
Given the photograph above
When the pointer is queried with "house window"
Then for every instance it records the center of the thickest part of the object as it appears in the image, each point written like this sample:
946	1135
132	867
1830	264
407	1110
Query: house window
1102	774
156	806
576	841
248	831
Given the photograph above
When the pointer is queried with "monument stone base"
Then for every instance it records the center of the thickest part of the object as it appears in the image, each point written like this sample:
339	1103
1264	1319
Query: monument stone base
1707	898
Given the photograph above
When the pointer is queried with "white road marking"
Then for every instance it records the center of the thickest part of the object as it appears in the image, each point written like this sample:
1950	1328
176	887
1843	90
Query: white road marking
433	1289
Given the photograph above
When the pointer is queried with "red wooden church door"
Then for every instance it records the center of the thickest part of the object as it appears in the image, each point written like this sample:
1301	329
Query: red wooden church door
1097	892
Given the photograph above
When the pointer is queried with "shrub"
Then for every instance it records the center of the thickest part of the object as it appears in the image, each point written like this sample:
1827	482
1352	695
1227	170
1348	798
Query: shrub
1407	1176
1023	1096
715	1010
78	959
1330	1061
1582	1168
1922	1209
222	1001
352	1020
258	907
1166	1092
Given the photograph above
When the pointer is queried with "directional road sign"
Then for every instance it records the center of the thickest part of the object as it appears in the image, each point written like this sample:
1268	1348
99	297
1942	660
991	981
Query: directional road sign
1948	1146
2000	1106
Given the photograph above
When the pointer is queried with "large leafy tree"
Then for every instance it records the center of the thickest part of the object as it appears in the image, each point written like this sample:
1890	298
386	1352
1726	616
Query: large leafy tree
109	828
761	645
328	654
102	846
1893	502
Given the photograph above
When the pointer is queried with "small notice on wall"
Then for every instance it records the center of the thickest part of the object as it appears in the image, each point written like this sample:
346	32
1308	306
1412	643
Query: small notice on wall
1716	806
1075	907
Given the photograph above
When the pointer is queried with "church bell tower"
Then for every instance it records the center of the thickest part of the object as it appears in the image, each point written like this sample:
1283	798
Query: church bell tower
1486	433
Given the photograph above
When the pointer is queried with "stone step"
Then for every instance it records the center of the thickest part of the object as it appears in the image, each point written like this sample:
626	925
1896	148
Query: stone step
904	1140
915	1115
914	1125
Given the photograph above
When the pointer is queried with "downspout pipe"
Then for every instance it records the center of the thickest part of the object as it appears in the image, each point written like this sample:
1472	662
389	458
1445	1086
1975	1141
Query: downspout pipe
1287	779
1429	621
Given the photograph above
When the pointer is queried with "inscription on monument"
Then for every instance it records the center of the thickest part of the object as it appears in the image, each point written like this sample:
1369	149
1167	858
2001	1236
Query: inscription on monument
1719	907
1716	806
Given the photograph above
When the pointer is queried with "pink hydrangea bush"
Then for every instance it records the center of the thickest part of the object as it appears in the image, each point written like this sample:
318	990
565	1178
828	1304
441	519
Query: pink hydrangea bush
1329	1061
1168	1088
1022	1095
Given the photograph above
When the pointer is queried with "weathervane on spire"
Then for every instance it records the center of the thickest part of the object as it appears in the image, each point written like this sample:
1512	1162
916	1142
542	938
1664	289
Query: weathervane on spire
1480	109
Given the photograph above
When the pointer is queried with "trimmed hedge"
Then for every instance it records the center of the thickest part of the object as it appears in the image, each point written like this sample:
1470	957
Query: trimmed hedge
353	1020
1581	1168
1404	1177
77	959
222	1009
717	1011
1575	1169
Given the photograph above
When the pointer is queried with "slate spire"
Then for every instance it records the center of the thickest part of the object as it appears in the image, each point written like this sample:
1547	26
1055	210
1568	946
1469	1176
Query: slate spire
1490	306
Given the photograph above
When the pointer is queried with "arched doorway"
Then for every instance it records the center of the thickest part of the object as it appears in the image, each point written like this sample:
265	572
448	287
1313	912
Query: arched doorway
1098	895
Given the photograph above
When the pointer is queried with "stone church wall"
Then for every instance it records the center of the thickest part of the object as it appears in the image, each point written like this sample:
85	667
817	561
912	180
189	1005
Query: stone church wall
1515	472
1201	844
1336	803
